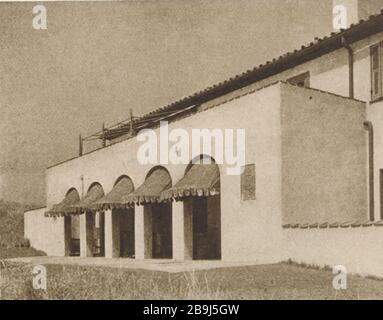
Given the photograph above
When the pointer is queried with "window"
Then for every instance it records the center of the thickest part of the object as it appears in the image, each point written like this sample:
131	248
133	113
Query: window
301	80
376	71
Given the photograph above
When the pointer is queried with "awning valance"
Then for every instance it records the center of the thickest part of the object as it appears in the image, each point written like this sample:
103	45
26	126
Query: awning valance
114	199
200	180
150	191
88	202
65	207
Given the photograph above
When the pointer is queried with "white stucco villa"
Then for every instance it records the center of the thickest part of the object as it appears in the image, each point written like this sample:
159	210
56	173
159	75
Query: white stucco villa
311	189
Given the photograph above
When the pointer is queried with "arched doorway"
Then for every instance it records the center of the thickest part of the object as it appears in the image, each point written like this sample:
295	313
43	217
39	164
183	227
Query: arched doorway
71	223
119	219
99	234
75	235
93	220
206	211
206	217
157	216
162	242
124	185
199	189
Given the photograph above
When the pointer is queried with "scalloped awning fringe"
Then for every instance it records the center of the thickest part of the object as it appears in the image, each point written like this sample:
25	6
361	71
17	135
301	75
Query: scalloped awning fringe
201	180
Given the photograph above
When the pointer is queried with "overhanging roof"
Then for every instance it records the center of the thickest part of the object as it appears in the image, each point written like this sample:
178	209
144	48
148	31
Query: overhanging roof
200	180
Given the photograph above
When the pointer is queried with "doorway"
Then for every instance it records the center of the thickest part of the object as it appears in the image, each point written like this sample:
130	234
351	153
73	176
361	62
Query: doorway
206	217
162	242
126	223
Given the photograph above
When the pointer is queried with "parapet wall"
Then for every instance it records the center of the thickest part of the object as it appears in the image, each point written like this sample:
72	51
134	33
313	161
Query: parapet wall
324	154
359	249
45	234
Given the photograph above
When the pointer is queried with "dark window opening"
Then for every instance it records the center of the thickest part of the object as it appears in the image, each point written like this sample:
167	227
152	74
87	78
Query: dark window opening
301	80
376	71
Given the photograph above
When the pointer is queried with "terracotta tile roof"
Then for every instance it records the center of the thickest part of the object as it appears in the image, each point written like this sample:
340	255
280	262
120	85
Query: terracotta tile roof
326	225
314	49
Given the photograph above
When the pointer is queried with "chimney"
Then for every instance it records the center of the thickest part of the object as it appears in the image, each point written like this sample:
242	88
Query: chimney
347	12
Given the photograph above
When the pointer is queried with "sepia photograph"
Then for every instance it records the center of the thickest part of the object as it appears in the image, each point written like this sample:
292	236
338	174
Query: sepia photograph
211	151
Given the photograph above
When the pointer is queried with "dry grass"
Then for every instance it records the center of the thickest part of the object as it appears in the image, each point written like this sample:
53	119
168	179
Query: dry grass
278	281
281	281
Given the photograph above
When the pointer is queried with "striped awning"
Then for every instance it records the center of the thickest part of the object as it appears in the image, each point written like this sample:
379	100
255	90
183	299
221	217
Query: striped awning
65	207
88	202
114	199
150	191
200	180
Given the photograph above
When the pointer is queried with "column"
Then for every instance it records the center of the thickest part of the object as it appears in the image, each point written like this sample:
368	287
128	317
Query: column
67	234
148	231
102	233
139	234
87	221
188	229
112	234
182	231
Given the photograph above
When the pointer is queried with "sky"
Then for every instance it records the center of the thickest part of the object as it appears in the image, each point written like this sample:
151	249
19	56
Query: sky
96	60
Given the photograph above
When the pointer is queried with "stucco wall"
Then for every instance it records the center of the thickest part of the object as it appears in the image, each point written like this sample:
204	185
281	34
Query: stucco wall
329	72
252	229
323	157
375	115
46	234
249	229
358	249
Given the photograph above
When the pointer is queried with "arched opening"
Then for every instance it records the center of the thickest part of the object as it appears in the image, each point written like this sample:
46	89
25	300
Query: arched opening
99	234
205	209
200	226
158	217
162	242
125	219
94	221
72	226
200	159
75	235
155	216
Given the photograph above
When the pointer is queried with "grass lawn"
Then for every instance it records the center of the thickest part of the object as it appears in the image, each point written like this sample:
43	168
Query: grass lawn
279	281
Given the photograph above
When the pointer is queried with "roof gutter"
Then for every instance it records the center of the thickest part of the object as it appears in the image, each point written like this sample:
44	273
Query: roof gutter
347	46
370	129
